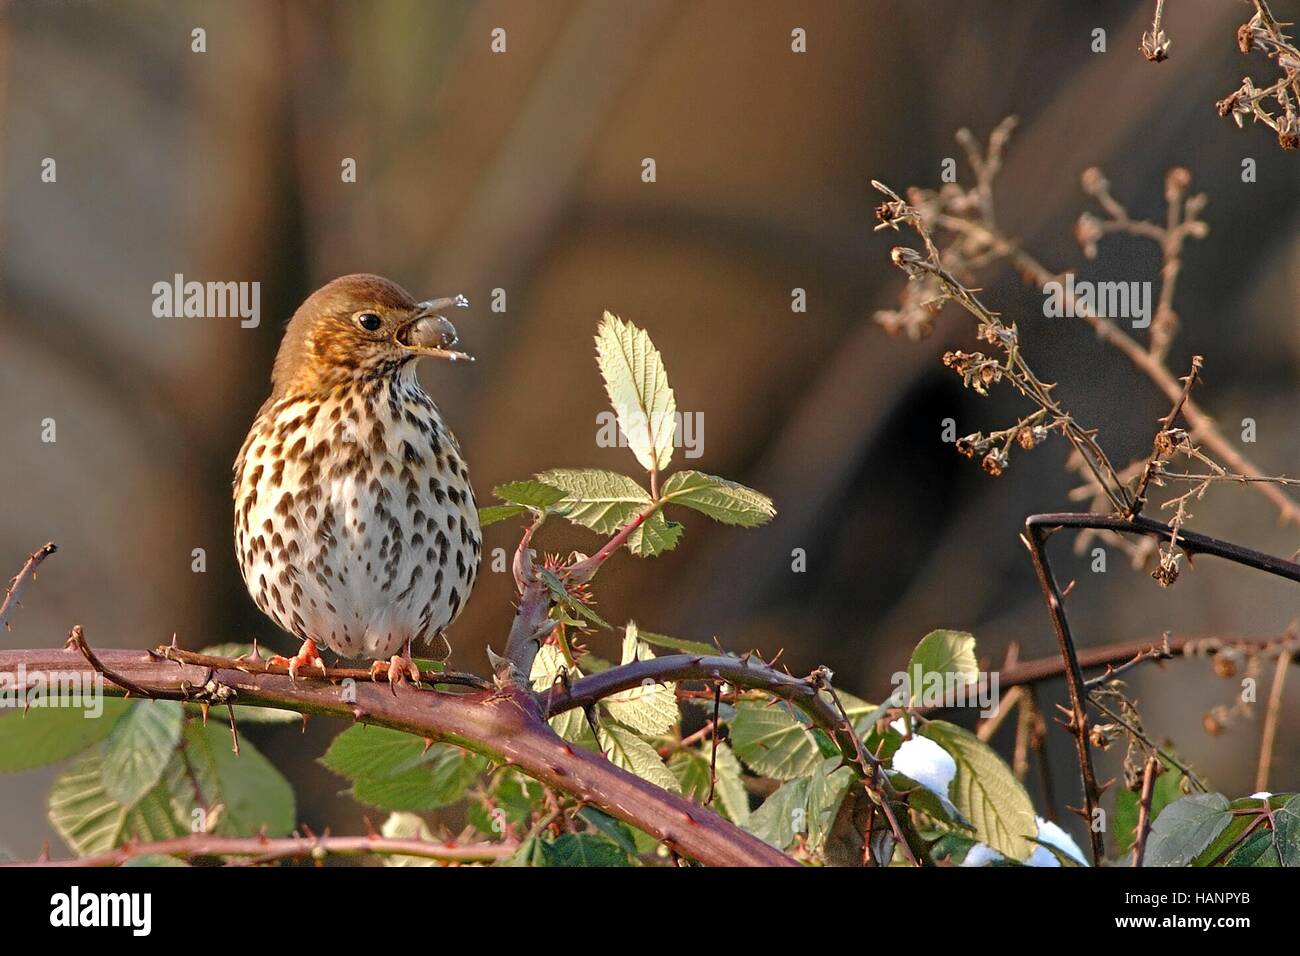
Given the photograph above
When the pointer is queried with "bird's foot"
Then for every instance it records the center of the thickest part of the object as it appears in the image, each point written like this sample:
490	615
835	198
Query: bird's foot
396	670
307	656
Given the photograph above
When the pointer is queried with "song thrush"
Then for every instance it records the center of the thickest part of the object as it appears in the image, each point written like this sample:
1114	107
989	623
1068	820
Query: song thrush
355	522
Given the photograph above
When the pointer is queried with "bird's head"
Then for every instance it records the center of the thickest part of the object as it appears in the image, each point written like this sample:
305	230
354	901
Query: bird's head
357	327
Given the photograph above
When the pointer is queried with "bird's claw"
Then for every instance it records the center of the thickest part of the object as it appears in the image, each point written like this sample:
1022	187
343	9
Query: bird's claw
307	656
396	670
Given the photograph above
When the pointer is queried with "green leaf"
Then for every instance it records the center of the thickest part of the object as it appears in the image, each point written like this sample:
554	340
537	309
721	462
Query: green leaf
625	749
392	770
952	847
616	830
692	769
637	384
48	734
583	849
530	853
720	499
530	493
938	655
782	815
679	644
234	649
1286	832
248	714
253	794
155	860
655	536
1167	788
563	597
826	789
986	792
250	793
1257	851
1185	828
603	501
807	805
90	821
140	747
494	513
772	743
651	708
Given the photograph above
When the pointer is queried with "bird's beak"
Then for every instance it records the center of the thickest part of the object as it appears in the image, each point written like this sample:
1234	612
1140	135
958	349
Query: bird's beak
429	333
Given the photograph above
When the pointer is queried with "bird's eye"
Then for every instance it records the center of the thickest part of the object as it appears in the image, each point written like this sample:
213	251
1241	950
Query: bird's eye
369	321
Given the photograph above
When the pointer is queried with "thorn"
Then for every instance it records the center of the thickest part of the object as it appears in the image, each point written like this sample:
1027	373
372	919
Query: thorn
1102	788
173	638
1069	588
1080	811
304	722
428	742
203	708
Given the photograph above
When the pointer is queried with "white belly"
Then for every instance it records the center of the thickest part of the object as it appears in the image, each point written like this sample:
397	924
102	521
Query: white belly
364	545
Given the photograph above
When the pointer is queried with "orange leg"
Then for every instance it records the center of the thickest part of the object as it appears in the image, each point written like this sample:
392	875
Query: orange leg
396	670
307	656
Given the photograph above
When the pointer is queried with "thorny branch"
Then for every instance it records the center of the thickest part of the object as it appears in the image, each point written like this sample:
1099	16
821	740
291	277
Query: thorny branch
19	582
261	849
1037	530
506	725
1149	773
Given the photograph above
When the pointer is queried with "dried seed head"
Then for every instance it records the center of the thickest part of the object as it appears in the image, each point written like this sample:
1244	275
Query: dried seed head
1155	47
1167	573
1176	182
1087	232
1026	438
1245	36
995	462
1211	725
1094	181
1224	665
1164	445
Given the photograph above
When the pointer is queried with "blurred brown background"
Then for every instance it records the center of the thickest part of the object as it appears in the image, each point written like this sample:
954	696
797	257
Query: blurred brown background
521	171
